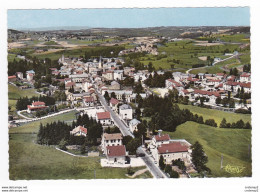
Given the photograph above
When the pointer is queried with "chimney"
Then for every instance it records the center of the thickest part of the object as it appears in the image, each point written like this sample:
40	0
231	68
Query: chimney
159	132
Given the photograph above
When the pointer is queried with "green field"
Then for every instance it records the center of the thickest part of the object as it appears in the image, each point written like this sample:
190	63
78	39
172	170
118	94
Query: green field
33	127
30	161
233	144
216	114
15	93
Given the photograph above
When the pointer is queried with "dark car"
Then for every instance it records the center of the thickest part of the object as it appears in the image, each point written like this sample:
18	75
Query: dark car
140	155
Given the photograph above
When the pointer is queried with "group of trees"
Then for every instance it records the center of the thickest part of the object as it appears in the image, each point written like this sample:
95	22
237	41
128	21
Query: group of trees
109	51
22	103
157	80
167	116
41	67
247	68
131	144
226	102
239	124
233	71
58	133
167	168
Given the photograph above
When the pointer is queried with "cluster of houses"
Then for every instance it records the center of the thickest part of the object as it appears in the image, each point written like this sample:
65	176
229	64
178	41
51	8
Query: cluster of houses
147	47
210	86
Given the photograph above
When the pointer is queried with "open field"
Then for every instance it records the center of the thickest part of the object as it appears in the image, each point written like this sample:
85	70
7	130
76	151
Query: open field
31	161
15	93
185	53
33	127
216	114
233	144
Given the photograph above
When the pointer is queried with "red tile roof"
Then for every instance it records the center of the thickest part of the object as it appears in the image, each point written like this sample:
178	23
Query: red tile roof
220	74
38	103
37	107
89	99
245	75
165	137
172	148
103	115
83	129
114	101
116	151
70	84
11	77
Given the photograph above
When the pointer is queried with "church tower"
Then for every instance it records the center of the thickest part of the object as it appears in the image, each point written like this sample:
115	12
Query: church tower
100	66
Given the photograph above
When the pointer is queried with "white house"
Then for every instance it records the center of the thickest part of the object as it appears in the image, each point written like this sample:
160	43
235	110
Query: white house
113	103
118	74
116	154
104	118
114	139
133	125
173	151
79	131
29	75
89	101
159	139
36	106
245	77
126	112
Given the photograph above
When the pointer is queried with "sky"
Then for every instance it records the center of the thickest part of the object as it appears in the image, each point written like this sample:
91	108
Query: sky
129	18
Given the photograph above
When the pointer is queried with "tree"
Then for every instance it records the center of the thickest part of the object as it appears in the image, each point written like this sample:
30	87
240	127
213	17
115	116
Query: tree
199	158
218	100
62	145
113	95
124	98
161	163
106	96
223	123
83	149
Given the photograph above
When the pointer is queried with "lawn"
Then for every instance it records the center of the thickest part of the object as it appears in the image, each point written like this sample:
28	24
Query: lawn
30	161
33	127
233	144
216	114
15	93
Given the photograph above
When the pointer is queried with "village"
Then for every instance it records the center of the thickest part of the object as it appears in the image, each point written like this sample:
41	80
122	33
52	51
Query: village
98	89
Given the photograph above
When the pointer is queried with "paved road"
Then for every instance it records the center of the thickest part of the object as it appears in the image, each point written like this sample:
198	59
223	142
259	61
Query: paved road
123	128
154	169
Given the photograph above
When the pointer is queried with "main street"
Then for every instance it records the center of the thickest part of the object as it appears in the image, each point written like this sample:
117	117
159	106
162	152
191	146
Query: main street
123	128
154	169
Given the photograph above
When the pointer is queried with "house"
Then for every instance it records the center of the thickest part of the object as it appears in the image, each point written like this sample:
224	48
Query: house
113	103
133	125
126	112
108	75
38	105
160	139
245	77
120	94
104	118
29	75
173	151
19	75
114	86
79	131
116	154
118	74
114	139
89	101
12	78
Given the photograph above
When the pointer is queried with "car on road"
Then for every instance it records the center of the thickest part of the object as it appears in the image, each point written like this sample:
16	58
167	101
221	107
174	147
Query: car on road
140	155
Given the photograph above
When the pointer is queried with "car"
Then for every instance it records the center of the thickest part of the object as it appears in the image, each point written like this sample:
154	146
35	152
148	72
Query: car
140	155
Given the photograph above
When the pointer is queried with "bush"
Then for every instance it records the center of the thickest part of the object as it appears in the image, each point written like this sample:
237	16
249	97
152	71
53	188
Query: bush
211	122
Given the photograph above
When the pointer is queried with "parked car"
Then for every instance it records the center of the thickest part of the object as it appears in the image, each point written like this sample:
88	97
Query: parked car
140	155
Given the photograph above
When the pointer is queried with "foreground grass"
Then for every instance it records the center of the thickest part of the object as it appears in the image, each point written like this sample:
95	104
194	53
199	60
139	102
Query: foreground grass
233	144
29	161
33	127
216	114
15	93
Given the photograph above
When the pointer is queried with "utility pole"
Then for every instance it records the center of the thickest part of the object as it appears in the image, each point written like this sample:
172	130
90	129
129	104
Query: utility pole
221	165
